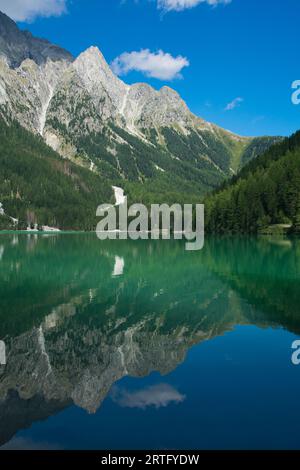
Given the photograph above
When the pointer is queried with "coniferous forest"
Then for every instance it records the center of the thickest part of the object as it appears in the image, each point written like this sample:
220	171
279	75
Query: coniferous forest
41	187
263	198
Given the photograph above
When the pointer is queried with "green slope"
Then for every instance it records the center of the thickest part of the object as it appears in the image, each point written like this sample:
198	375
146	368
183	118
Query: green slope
198	160
257	146
266	193
37	185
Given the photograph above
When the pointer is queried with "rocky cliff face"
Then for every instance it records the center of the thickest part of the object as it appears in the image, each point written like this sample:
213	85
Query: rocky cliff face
88	114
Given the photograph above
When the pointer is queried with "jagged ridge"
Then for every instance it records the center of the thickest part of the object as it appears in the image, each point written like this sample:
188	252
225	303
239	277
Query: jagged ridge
87	114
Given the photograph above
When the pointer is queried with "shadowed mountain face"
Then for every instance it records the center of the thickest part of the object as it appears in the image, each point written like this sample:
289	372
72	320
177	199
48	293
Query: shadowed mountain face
17	46
77	314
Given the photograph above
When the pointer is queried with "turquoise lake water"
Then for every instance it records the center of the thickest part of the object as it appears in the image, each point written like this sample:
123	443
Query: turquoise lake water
140	344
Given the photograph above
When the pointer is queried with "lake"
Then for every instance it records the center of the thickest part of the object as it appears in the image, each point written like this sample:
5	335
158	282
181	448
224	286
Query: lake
140	344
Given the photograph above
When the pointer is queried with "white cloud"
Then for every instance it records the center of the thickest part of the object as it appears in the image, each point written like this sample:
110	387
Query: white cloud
28	10
234	104
160	395
159	64
179	5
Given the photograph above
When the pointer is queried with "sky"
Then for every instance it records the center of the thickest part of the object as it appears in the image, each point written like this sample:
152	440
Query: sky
232	61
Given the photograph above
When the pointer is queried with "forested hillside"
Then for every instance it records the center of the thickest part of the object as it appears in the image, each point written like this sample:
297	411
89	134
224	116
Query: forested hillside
38	186
266	193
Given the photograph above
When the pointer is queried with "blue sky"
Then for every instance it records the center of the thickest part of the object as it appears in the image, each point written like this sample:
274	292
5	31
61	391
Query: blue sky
244	52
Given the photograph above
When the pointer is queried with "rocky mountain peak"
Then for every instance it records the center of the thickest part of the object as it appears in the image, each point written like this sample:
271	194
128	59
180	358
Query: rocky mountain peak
93	53
92	67
130	106
100	81
167	91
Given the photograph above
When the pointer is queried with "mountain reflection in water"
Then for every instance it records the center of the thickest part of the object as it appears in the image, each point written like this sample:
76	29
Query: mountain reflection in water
77	315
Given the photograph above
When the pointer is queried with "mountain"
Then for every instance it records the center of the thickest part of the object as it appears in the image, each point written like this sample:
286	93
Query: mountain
129	133
272	183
